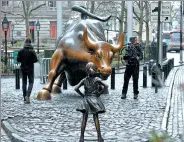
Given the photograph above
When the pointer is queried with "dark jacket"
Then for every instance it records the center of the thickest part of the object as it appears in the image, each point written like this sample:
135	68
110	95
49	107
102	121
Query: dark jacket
132	52
27	57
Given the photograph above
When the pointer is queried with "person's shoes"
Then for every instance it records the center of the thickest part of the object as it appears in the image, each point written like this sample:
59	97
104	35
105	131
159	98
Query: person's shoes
81	139
123	96
100	139
27	100
135	96
24	99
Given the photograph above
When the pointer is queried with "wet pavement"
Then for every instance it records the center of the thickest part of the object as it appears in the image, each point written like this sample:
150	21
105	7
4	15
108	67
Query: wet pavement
57	120
4	136
176	118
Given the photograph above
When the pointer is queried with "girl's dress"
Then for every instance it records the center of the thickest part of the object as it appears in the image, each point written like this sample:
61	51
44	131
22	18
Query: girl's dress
91	103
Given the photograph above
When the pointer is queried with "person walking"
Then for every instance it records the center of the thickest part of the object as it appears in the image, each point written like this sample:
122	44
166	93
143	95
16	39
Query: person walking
27	57
133	54
92	103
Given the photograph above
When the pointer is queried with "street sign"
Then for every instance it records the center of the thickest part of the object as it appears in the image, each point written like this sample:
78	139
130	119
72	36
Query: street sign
155	18
166	9
166	19
154	8
165	12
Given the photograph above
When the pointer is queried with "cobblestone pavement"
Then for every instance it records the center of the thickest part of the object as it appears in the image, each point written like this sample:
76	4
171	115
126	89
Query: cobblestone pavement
176	117
4	136
57	120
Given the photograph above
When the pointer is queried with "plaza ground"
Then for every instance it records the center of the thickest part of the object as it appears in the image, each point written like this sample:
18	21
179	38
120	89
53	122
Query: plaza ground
124	121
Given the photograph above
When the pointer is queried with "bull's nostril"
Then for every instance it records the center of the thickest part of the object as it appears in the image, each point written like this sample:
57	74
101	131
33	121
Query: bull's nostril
102	67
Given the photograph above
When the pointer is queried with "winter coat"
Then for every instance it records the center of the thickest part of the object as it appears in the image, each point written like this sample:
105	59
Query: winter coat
132	52
27	57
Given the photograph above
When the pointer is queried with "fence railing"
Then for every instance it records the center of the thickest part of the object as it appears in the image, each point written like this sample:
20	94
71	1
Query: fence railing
44	70
11	66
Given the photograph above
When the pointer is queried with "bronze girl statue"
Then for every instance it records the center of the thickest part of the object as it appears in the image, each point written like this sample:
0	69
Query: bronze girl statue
92	103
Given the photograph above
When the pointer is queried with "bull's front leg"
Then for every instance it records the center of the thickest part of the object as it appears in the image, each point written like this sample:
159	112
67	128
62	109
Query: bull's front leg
55	70
58	83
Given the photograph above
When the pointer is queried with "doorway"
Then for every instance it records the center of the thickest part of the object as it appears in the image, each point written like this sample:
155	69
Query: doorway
32	28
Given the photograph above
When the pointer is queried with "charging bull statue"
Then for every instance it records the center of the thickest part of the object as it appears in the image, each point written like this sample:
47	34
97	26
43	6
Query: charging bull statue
83	42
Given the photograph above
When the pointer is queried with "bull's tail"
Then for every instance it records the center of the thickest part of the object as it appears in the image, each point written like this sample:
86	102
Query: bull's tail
84	11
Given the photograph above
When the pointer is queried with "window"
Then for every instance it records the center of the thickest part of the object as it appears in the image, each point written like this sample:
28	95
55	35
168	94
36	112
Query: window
52	3
4	3
53	29
175	36
19	33
166	36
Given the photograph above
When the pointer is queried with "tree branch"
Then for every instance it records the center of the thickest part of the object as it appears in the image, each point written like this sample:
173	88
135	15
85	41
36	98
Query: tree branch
136	15
36	8
27	6
24	8
13	14
117	18
136	19
17	22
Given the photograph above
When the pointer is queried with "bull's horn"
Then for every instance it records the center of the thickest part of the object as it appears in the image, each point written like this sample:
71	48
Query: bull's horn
120	44
89	44
87	13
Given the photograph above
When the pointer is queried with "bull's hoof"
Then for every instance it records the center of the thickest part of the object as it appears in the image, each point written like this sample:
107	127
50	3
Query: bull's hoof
43	95
56	89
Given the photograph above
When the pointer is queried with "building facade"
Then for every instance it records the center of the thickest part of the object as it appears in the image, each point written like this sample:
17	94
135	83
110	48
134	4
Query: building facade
47	16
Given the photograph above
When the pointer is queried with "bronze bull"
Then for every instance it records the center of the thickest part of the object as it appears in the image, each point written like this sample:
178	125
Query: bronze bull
79	45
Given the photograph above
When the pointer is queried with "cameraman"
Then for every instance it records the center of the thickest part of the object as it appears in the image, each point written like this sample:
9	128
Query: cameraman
133	54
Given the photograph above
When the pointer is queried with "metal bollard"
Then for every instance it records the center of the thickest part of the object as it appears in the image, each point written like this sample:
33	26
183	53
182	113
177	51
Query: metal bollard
113	79
169	66
164	71
153	79
17	79
172	62
144	76
163	77
156	72
65	84
167	69
151	62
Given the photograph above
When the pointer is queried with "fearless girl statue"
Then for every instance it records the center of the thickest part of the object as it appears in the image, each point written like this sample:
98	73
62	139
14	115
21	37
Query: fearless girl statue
92	104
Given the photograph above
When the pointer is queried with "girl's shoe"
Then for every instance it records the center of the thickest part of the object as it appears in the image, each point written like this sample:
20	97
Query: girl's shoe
27	100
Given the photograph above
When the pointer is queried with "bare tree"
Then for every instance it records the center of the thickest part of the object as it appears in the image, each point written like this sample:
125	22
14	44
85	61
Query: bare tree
92	6
147	22
125	27
28	10
147	13
138	12
174	14
122	14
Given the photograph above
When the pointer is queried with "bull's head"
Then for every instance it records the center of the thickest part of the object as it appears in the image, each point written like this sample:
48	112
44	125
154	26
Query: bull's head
102	54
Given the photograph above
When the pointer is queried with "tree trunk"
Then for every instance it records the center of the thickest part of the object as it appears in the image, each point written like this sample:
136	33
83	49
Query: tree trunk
27	27
121	24
92	6
141	22
25	7
147	24
122	17
147	30
125	27
147	33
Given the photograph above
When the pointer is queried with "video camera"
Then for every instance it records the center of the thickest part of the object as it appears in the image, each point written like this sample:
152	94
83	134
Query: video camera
132	39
